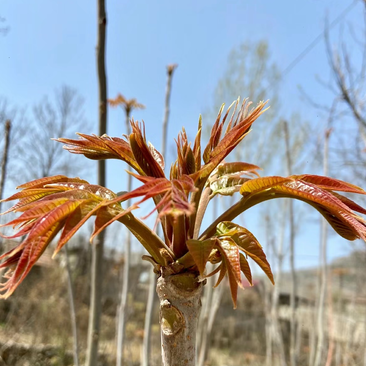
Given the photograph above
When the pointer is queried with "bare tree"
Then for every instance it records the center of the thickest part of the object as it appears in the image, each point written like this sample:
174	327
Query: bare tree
4	161
61	117
293	356
17	116
51	121
98	247
248	73
347	85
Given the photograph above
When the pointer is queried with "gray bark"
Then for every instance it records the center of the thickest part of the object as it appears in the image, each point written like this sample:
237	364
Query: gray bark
323	288
276	334
293	356
5	159
180	303
72	310
98	247
146	346
170	71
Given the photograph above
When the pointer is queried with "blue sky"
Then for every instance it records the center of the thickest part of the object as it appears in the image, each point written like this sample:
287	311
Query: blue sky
51	43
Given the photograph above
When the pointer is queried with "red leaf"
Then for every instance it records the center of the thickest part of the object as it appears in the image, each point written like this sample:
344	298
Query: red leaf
230	254
79	217
142	153
246	242
260	185
329	183
104	147
39	183
26	258
200	251
244	266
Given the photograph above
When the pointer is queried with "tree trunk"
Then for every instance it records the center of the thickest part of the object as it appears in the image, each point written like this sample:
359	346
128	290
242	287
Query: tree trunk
323	255
72	309
180	304
276	334
146	345
98	246
5	159
122	313
293	355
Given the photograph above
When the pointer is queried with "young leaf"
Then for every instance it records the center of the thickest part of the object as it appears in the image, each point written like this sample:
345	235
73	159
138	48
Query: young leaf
336	209
260	185
103	147
148	159
244	266
225	185
246	242
200	251
231	258
64	204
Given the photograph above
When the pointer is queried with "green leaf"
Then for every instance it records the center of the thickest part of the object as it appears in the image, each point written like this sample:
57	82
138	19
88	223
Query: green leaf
226	185
237	168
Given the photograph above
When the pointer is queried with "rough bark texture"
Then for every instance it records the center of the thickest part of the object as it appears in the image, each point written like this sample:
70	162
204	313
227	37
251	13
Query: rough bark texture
180	304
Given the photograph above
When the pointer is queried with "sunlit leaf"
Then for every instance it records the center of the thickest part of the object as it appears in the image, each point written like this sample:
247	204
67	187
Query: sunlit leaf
329	183
39	183
262	184
103	147
237	168
64	204
349	203
226	185
147	159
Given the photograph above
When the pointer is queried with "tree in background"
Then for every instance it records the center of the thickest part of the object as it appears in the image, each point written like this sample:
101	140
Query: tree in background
19	122
250	68
346	115
98	249
50	119
60	204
